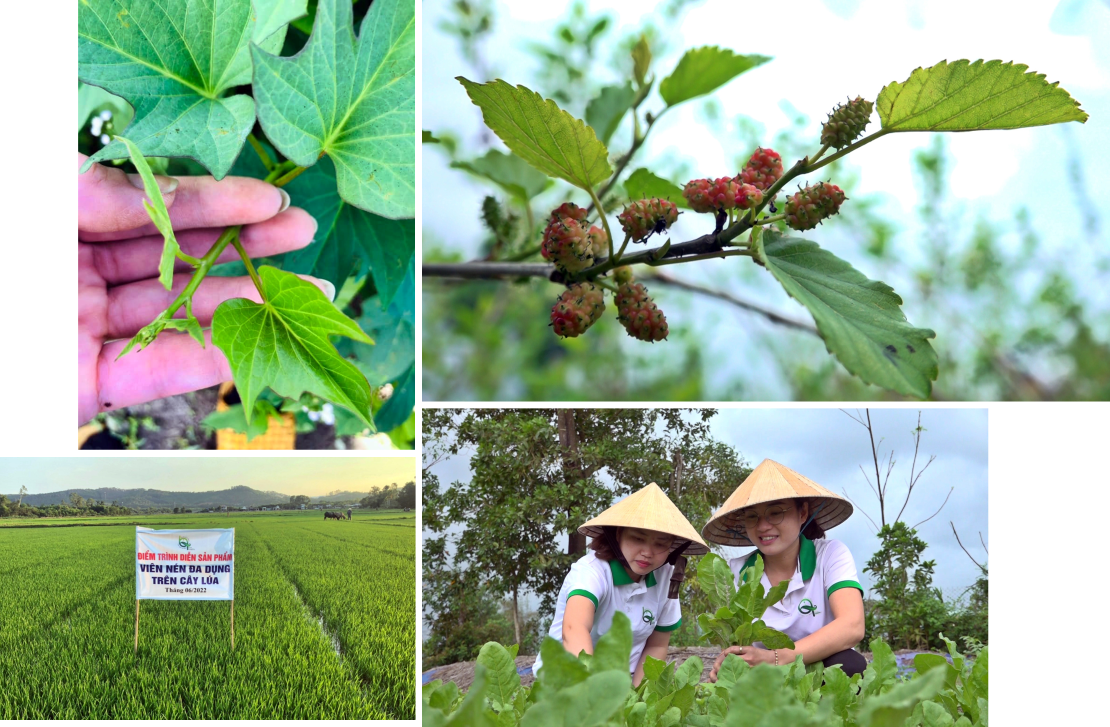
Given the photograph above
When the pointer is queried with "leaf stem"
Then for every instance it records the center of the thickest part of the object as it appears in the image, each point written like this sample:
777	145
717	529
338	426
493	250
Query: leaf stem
185	297
620	253
819	154
194	261
250	266
703	256
286	179
262	155
847	150
604	221
604	284
766	220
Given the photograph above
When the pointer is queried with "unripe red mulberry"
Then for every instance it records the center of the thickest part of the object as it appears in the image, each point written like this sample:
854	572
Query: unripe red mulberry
645	216
846	123
568	245
711	195
748	196
638	313
809	206
577	308
568	209
763	169
599	241
623	274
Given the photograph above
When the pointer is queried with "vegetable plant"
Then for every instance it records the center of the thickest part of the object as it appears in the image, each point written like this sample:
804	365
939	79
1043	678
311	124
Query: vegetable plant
737	619
749	213
596	690
333	124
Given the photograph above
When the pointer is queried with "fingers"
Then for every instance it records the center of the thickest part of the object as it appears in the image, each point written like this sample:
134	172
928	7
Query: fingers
173	364
109	201
132	306
137	259
201	202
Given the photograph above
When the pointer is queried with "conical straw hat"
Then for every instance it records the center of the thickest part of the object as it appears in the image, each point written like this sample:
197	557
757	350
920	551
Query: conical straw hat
650	509
773	481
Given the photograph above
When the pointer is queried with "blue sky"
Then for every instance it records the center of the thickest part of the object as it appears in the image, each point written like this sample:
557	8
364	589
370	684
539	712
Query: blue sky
312	476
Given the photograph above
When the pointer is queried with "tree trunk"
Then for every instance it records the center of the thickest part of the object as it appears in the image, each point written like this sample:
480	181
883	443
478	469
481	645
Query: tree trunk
516	615
572	469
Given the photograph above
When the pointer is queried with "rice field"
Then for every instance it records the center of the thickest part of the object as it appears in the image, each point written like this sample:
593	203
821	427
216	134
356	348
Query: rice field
325	622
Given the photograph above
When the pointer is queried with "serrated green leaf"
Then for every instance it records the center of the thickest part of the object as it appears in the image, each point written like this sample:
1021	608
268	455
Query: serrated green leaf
965	96
642	184
283	343
641	60
860	320
509	172
703	70
155	206
274	16
235	419
172	60
347	236
502	679
541	133
605	111
354	101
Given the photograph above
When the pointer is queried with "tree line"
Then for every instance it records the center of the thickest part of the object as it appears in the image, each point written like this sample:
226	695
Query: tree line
76	507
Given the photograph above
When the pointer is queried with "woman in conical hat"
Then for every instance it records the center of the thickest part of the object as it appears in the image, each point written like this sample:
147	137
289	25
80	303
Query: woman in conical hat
636	564
785	516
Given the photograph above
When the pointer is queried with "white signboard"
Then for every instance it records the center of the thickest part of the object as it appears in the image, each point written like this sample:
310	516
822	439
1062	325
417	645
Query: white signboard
185	564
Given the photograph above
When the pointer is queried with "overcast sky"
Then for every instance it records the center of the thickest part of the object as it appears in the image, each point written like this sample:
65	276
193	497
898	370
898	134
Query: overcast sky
312	476
829	448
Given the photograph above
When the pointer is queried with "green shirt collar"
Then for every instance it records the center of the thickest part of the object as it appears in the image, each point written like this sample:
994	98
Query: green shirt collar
621	577
807	558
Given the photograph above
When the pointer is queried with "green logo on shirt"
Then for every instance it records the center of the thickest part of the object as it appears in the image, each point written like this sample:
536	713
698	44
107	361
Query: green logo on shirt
648	617
806	606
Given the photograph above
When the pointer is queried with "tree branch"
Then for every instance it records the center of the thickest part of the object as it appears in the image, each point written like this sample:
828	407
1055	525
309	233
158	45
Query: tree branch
767	313
938	509
484	270
965	549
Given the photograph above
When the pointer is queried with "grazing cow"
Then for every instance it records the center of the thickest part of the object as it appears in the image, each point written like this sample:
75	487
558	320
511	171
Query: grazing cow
333	516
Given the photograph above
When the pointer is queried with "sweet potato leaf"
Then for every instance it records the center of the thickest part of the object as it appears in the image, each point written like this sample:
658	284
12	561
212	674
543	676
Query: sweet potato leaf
283	343
541	133
965	96
352	100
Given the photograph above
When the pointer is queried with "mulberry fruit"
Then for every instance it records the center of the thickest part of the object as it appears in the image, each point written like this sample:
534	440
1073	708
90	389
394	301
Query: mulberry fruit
711	195
846	122
599	241
645	216
763	169
809	206
638	313
748	196
577	309
567	244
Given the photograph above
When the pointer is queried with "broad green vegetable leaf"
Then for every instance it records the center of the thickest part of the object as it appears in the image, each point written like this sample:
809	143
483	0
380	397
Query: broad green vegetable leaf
354	101
965	96
173	60
396	410
703	70
773	596
715	579
642	184
588	704
441	695
146	335
689	672
934	715
234	418
283	343
541	133
346	236
394	349
560	669
472	712
860	319
759	693
773	639
882	671
732	669
91	98
605	111
614	648
892	708
155	206
509	172
274	16
502	679
924	662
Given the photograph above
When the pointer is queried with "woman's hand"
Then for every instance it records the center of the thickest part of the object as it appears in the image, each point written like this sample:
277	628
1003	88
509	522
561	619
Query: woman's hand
752	656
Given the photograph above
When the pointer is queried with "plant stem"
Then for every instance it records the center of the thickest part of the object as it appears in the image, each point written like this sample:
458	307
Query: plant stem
286	179
819	154
604	221
250	266
262	155
620	253
205	264
703	256
279	170
608	286
636	144
194	261
847	150
766	220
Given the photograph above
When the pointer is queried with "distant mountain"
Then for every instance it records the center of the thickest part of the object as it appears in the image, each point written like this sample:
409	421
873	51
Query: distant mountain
341	497
241	496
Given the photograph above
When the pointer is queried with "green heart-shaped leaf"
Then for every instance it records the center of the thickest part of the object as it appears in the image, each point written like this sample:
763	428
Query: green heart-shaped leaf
703	70
861	320
965	96
541	133
172	60
352	100
509	172
274	16
283	343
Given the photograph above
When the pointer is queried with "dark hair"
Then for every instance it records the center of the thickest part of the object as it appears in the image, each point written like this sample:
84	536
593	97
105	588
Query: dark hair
601	548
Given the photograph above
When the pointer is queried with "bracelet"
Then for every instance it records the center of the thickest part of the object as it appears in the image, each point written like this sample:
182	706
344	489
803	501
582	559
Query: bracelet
776	657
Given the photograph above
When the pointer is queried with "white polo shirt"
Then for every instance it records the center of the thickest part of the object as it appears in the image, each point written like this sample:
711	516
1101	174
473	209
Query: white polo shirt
607	584
824	567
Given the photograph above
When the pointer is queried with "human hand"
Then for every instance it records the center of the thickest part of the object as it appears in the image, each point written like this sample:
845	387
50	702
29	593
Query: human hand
117	281
749	654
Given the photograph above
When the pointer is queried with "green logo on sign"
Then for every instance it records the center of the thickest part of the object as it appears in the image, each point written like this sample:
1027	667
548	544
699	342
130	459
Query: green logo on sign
183	542
648	617
806	606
